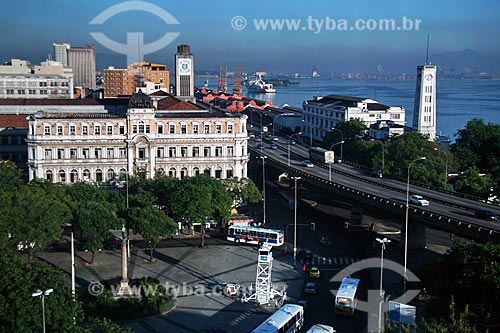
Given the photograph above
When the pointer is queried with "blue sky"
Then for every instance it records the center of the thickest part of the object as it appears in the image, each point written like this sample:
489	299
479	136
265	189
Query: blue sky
29	28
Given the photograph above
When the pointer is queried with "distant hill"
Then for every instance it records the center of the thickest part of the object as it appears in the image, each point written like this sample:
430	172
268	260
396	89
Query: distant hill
464	61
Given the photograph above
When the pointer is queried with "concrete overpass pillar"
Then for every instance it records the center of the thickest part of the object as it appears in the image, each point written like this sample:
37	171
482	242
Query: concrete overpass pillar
416	235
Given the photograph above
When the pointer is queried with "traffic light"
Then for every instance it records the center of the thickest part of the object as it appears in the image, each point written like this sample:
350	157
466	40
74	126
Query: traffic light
313	226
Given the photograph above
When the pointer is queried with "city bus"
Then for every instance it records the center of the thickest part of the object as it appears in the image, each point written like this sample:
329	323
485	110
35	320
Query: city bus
253	235
346	298
288	319
317	154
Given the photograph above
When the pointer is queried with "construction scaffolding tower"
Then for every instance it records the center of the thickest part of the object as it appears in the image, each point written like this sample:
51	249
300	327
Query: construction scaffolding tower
264	293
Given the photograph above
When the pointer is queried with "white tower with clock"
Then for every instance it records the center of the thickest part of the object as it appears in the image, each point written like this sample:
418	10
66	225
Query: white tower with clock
184	73
424	112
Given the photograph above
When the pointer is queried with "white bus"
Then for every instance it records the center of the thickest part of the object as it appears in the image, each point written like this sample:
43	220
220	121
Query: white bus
320	328
346	298
288	319
253	235
317	154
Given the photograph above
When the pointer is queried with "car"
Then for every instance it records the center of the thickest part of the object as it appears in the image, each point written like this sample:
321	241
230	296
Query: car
418	200
293	142
252	136
377	173
307	163
338	160
310	288
274	146
304	304
306	255
325	241
261	146
275	138
486	214
314	273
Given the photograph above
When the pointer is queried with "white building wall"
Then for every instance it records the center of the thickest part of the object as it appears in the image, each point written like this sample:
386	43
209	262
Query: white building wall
424	114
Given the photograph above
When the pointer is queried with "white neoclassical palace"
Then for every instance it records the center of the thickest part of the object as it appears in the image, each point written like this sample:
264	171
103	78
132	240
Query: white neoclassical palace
175	137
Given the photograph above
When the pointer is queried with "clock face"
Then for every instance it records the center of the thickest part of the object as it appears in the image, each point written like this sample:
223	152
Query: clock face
428	77
184	66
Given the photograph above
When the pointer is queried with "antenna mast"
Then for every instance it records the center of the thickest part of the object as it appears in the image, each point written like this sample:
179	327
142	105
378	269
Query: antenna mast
427	53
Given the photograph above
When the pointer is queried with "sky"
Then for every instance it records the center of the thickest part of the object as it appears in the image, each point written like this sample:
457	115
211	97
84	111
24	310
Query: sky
334	35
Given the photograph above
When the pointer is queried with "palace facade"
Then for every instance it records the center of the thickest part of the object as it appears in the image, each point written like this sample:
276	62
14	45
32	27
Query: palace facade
168	135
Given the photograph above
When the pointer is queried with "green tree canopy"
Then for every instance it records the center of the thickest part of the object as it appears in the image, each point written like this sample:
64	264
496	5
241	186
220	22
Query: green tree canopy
152	224
96	219
20	312
10	176
242	189
32	218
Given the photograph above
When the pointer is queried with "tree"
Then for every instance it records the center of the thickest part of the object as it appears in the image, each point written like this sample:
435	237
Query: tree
20	312
242	189
32	218
96	220
104	325
467	267
456	322
472	182
152	224
10	176
478	145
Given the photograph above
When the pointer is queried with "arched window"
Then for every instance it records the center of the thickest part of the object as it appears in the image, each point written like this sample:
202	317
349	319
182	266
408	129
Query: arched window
184	173
196	171
218	172
86	175
73	176
172	173
160	172
110	174
207	171
123	174
62	176
229	172
141	127
98	175
49	175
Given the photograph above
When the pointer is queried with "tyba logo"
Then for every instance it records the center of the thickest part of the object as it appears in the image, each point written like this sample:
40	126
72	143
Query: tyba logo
135	40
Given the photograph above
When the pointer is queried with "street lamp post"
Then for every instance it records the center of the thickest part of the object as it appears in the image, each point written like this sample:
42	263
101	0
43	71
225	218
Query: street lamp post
330	164
382	242
295	222
406	216
342	144
289	139
445	166
39	293
263	157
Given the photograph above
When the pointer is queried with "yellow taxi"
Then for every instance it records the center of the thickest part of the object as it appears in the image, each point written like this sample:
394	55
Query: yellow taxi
314	273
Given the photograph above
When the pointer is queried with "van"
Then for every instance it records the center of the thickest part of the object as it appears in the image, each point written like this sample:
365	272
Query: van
320	328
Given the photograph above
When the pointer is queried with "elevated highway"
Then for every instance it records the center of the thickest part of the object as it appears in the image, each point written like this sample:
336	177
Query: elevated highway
447	212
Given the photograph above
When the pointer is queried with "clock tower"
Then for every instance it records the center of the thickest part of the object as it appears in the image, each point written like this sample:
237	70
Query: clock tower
184	73
424	112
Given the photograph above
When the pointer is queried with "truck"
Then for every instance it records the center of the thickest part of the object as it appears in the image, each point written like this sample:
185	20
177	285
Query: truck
356	217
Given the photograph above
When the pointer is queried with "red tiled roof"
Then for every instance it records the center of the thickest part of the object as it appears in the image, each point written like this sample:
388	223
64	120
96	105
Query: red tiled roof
173	103
13	120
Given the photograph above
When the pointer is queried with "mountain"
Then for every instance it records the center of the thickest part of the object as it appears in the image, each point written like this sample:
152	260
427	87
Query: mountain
464	61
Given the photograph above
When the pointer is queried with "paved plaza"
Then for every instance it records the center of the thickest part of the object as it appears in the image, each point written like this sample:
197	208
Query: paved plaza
197	275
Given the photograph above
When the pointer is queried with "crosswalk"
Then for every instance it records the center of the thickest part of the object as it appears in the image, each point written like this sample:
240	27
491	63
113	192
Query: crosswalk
335	261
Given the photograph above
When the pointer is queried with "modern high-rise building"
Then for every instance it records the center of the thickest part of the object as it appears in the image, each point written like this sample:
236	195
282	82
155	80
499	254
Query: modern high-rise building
137	75
424	112
61	53
184	73
81	60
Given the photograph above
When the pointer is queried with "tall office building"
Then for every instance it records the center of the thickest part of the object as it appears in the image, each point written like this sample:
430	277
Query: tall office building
81	60
424	112
61	53
184	73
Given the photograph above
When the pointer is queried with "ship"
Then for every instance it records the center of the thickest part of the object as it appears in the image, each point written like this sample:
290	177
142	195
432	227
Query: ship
258	85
